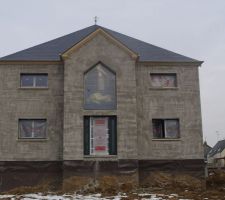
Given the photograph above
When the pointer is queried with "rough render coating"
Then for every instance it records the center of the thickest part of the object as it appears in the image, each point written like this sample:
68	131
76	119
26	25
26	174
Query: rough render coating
16	103
182	103
137	104
100	49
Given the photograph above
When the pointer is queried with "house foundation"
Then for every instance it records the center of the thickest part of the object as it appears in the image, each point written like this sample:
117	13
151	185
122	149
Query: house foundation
80	175
170	173
92	174
17	176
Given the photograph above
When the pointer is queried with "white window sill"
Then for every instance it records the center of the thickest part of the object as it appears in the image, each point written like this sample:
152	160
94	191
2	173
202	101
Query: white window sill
33	88
166	139
32	139
163	88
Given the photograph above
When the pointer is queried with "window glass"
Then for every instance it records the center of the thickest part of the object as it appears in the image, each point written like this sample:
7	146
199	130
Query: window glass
163	80
25	128
158	128
27	80
39	128
41	80
34	80
100	88
171	128
165	128
32	128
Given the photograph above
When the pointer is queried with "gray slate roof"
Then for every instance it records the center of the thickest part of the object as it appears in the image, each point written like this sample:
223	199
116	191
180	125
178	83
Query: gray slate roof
51	50
218	148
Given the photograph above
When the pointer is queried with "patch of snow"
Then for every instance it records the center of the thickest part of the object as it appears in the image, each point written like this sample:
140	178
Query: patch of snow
39	196
175	195
186	199
145	194
6	196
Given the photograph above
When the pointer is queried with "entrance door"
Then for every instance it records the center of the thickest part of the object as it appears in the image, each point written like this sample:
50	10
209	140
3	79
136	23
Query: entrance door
99	136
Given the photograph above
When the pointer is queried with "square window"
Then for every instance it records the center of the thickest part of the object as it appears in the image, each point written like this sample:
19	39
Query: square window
34	80
163	80
165	128
32	128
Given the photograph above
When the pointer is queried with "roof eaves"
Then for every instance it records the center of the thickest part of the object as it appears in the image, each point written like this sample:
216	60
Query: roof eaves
187	63
14	62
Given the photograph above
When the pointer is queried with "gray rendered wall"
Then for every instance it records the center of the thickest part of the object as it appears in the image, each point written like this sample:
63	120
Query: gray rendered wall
182	102
16	103
104	50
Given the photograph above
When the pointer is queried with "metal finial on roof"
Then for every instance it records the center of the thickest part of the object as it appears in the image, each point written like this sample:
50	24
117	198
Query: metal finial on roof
218	135
96	20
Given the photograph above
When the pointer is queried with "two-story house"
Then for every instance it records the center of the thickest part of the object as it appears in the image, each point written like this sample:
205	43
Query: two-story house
96	102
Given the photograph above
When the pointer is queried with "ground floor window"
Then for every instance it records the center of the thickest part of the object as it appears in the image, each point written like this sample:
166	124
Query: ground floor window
32	128
165	128
100	137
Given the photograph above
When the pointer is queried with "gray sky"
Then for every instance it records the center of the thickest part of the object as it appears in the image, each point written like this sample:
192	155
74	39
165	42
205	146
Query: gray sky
195	28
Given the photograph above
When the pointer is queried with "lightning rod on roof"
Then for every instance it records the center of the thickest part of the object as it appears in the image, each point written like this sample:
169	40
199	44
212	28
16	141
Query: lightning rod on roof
218	135
96	20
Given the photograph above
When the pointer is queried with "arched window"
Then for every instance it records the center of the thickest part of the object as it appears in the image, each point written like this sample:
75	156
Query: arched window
99	88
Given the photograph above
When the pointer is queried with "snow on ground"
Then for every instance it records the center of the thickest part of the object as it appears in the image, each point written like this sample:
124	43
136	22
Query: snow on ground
39	196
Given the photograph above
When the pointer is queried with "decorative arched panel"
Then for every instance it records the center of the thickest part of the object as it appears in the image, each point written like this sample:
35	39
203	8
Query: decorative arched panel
100	88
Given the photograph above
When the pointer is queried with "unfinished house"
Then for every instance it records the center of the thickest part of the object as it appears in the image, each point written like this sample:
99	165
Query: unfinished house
97	103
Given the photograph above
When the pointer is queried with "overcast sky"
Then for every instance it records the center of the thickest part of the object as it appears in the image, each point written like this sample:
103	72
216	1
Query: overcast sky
195	28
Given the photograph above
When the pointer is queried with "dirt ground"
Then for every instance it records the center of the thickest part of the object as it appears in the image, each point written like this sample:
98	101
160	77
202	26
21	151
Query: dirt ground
162	184
187	187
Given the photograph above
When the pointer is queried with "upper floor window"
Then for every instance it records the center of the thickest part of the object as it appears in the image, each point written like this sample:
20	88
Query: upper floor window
161	80
165	128
100	88
32	128
34	80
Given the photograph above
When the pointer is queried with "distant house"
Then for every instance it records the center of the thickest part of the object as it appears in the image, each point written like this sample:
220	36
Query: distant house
97	102
216	156
207	149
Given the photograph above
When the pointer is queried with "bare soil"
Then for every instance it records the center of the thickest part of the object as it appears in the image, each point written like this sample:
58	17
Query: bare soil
186	187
